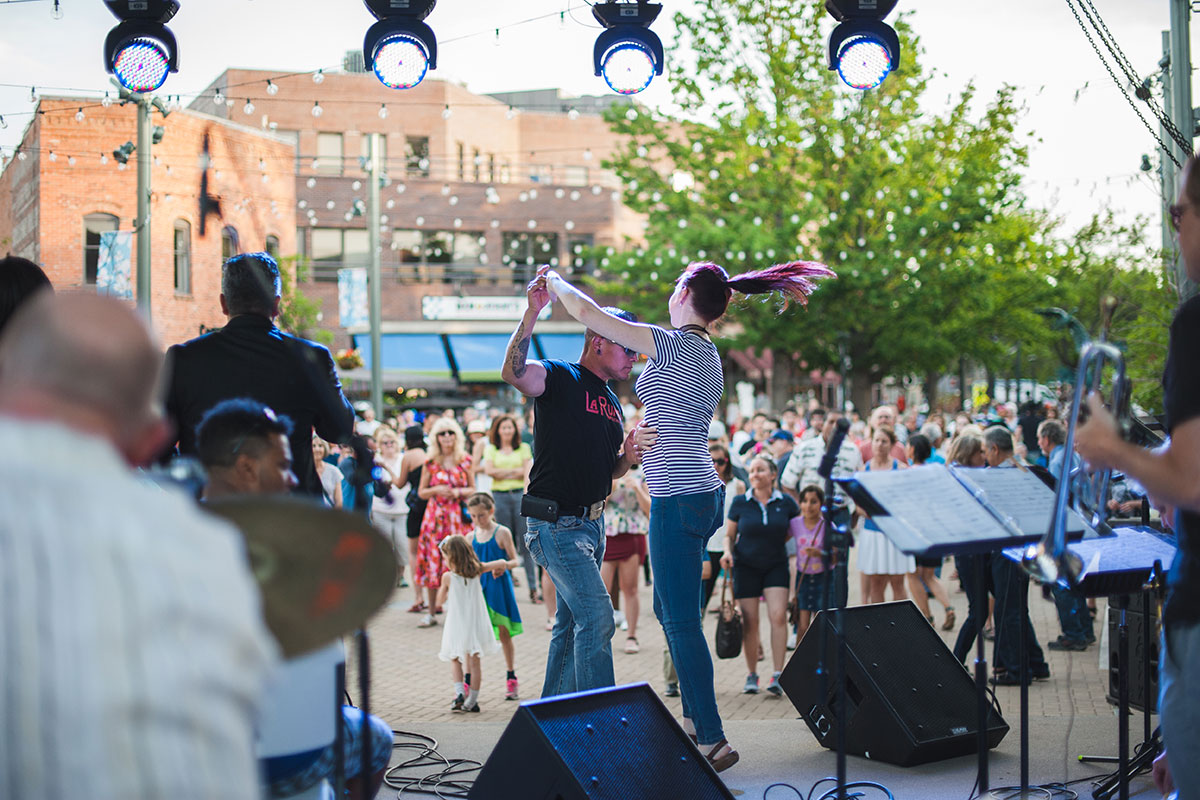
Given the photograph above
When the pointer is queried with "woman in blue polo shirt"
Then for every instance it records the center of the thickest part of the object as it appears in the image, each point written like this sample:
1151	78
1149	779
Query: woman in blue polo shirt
756	549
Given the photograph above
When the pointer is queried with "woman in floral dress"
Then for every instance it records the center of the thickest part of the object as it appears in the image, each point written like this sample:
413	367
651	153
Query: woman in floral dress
445	482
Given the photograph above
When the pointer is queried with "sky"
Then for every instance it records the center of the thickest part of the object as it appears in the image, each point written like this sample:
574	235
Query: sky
1086	143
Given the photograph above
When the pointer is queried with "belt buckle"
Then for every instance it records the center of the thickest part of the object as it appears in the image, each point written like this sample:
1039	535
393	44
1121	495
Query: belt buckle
595	510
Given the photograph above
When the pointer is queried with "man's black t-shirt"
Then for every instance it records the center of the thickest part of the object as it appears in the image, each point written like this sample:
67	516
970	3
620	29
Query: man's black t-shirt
762	543
577	433
1181	400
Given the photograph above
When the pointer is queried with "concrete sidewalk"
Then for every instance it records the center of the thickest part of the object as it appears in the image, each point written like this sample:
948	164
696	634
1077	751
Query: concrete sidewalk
1069	715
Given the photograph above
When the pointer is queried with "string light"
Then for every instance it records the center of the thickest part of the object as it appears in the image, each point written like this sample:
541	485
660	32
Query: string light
383	111
510	113
218	97
318	76
316	109
272	89
53	156
103	158
446	112
3	124
79	115
248	109
33	94
56	12
71	160
107	101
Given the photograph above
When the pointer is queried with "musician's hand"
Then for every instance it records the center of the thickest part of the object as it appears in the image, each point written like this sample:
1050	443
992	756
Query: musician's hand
1162	774
1097	439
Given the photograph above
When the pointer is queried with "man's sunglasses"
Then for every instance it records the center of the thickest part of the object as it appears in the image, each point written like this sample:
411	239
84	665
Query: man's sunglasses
629	351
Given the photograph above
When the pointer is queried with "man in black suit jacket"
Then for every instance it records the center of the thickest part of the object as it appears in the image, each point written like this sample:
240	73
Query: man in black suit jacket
250	357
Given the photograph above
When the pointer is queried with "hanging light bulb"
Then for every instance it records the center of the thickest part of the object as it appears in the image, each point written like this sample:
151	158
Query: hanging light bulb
71	160
383	111
3	124
103	158
446	112
79	115
248	109
56	12
218	97
53	156
319	76
107	101
572	114
316	109
510	113
272	89
496	41
33	94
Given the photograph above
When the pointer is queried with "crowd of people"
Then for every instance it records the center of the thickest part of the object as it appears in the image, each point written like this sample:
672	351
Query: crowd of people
579	495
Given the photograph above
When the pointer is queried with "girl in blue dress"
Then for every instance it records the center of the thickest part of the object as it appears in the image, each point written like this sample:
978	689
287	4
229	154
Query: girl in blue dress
493	542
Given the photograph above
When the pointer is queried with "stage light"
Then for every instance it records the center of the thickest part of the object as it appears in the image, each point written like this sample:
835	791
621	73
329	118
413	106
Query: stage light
400	48
122	153
862	48
141	51
627	54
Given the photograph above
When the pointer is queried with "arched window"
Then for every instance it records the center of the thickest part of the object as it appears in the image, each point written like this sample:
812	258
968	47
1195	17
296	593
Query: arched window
272	245
183	256
230	246
93	226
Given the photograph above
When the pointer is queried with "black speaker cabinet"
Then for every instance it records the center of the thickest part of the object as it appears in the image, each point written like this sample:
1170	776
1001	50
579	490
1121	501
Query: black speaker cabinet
1136	620
606	744
908	700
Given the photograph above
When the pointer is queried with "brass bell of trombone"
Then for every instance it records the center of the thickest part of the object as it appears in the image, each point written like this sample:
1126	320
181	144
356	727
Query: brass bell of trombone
1049	561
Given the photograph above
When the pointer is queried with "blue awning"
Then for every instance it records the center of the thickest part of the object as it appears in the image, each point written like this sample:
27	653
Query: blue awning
478	356
413	356
562	346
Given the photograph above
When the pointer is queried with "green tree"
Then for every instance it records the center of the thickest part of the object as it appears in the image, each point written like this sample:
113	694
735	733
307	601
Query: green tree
297	312
769	159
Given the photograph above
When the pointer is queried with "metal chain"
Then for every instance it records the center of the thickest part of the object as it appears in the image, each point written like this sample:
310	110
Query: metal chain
1121	87
1114	49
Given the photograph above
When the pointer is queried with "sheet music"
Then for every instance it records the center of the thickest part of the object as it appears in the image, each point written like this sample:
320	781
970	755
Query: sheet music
1022	496
932	501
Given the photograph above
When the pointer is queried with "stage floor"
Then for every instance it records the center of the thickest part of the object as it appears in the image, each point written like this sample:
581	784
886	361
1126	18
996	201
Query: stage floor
1069	714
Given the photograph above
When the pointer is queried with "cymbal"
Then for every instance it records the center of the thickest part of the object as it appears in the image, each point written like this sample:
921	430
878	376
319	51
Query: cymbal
322	572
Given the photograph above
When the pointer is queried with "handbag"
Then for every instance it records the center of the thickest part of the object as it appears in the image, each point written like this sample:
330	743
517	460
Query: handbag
728	637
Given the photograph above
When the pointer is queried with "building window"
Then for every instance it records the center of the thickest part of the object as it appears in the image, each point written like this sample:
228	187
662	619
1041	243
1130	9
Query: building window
329	153
477	160
93	226
524	251
458	254
272	246
383	152
337	248
416	156
491	167
462	162
579	257
183	257
230	245
575	176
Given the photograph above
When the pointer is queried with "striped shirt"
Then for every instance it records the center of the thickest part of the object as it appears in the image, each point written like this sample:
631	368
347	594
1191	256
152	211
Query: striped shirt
680	389
132	650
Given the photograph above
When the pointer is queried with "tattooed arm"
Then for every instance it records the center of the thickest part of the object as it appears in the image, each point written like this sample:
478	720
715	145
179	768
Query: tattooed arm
528	377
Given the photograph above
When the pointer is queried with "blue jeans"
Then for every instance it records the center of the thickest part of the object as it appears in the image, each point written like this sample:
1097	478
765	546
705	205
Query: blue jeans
1073	615
968	573
1179	705
679	530
1009	581
580	656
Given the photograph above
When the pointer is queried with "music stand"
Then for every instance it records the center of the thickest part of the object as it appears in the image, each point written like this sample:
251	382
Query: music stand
1117	567
936	510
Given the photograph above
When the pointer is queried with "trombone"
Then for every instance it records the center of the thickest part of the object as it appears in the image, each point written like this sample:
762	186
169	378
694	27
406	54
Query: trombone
1049	561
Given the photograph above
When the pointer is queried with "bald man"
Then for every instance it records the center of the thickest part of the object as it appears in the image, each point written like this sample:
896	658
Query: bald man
132	650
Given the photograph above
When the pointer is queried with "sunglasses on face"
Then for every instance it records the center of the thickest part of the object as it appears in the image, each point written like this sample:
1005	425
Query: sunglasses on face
629	351
720	462
447	433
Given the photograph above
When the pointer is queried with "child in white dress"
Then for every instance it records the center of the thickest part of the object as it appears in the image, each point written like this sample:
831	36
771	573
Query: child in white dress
468	628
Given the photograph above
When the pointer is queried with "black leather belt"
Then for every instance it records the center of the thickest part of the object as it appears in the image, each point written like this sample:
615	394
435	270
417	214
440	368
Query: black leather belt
592	512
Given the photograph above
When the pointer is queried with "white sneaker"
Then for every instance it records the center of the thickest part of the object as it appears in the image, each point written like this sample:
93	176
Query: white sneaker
619	619
791	643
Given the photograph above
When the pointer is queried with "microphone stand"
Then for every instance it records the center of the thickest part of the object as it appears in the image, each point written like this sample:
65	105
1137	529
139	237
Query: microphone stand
837	536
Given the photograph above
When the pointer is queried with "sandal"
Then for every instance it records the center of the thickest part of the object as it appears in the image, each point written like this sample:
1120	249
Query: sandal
948	625
533	595
631	645
721	763
416	608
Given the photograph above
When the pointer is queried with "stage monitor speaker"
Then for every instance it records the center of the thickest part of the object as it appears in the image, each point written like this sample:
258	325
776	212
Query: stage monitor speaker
908	700
1136	621
606	744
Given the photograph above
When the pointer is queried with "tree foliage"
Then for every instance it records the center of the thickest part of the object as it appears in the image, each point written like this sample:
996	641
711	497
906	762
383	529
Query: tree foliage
298	312
770	159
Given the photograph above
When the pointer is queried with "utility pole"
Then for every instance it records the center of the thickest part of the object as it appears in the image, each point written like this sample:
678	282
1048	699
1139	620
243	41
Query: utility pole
375	291
1166	168
142	223
1180	111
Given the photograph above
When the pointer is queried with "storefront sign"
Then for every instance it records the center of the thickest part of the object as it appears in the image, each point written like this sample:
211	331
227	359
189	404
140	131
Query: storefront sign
477	308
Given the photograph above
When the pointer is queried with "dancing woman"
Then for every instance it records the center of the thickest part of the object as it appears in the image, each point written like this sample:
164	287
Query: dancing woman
680	388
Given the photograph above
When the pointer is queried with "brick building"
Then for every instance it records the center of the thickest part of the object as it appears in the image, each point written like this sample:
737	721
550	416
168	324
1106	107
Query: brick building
65	186
479	190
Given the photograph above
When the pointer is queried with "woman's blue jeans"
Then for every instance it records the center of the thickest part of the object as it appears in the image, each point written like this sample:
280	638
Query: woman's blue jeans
679	530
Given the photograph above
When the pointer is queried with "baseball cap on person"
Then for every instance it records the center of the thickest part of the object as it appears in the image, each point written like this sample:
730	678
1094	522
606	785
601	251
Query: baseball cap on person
477	426
782	435
715	430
